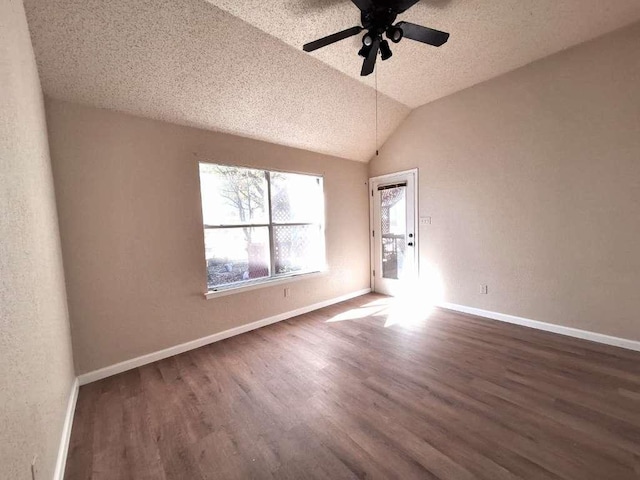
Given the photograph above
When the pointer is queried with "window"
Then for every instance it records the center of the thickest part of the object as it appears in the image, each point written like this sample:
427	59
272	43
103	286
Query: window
260	225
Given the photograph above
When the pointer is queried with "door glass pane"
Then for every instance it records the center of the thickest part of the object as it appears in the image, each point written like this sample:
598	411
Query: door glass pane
233	195
298	248
236	254
393	215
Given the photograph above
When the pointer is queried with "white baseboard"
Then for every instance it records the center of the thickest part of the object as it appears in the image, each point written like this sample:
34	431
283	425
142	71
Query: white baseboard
63	449
200	342
548	327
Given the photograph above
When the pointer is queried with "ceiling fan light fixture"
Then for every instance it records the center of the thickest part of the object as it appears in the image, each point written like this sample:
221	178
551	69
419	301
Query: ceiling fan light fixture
367	40
385	51
364	51
394	34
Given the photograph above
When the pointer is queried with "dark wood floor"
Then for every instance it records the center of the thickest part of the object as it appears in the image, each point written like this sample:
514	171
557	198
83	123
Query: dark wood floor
451	397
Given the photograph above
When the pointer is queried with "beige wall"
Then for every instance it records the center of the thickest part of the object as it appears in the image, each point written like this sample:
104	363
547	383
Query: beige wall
36	368
533	183
129	206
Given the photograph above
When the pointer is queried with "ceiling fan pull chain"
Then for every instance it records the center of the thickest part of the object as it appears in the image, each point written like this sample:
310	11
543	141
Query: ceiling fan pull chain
376	80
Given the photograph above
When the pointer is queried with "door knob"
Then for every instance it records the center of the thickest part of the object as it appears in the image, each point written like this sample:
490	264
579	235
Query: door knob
410	244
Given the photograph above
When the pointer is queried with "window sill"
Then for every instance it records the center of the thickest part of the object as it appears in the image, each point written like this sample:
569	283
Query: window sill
263	284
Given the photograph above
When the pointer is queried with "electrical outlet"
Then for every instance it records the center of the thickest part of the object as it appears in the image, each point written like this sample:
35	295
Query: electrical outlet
425	221
35	469
287	292
484	289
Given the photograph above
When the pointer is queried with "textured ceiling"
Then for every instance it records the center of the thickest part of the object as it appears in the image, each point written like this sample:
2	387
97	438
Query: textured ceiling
488	38
237	66
189	62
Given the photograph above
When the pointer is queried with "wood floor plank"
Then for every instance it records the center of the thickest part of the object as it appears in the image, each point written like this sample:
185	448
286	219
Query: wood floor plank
344	393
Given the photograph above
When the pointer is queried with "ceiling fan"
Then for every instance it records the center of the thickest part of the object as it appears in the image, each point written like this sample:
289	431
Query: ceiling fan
377	17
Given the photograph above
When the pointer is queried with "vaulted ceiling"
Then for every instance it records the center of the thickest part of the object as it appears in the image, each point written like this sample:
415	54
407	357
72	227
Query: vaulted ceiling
238	67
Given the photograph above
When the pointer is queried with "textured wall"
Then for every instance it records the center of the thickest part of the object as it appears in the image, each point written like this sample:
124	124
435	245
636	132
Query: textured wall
131	227
533	183
35	349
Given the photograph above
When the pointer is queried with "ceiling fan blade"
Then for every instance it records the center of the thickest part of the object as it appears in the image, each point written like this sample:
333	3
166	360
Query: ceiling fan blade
370	62
402	5
423	34
328	40
363	5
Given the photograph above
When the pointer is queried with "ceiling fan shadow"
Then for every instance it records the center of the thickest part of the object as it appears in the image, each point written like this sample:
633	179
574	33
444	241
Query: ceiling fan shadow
433	3
304	7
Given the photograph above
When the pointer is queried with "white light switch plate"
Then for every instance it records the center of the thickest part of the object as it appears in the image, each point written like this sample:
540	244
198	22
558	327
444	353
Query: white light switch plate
425	221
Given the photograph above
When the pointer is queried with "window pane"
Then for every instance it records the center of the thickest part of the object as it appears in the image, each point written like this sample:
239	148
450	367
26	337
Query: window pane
298	248
236	254
296	198
233	195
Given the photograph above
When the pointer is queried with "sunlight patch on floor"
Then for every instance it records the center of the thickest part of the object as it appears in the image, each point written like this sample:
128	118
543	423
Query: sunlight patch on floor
416	301
411	307
357	313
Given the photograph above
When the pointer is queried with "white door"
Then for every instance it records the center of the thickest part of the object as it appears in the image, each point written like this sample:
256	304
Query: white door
394	236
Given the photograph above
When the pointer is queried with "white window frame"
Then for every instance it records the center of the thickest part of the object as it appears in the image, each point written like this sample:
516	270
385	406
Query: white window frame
272	280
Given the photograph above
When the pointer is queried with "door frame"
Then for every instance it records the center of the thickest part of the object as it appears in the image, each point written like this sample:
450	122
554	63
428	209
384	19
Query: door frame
416	235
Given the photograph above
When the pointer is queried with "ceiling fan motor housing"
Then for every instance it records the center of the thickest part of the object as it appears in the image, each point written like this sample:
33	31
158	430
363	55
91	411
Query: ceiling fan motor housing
378	20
